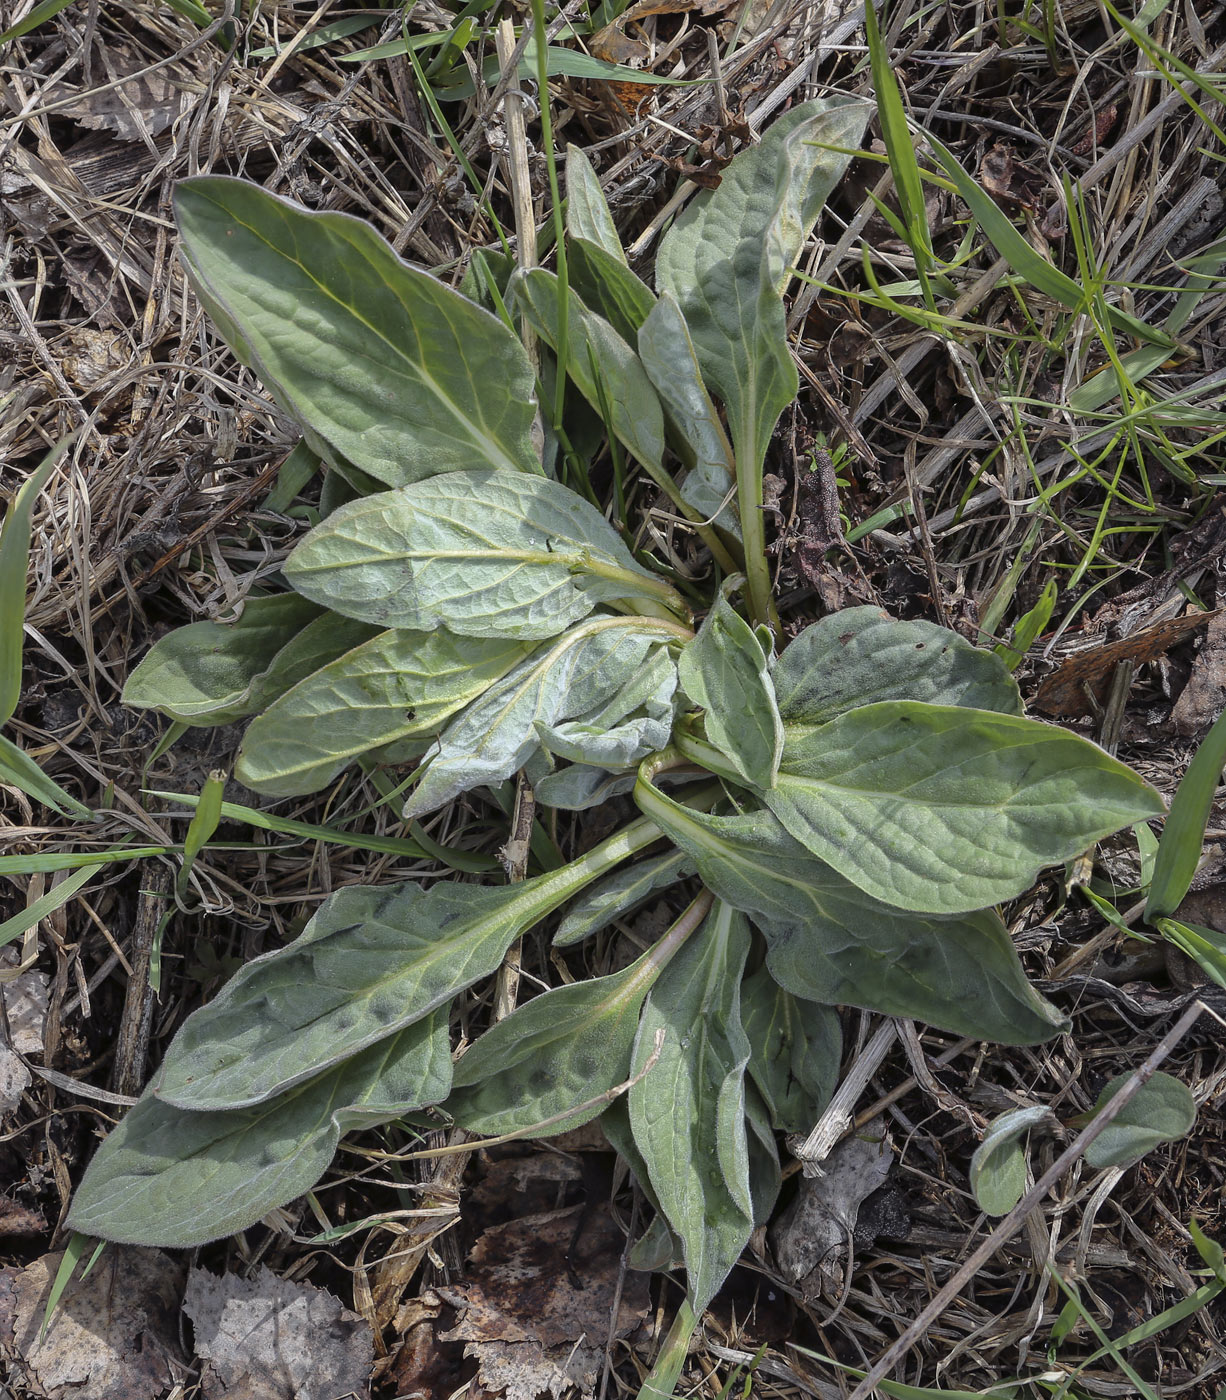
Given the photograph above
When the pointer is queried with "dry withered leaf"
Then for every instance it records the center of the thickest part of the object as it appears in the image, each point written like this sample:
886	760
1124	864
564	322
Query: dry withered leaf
25	1007
15	1219
538	1285
114	1335
613	45
268	1339
132	102
1068	689
1204	697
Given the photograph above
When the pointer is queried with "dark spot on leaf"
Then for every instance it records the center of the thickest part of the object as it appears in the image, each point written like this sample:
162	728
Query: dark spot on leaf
845	638
919	646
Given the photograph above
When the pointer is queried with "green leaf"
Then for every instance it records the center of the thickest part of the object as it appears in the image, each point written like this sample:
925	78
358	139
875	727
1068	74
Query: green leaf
862	655
829	942
170	1178
796	1048
1205	946
551	1064
942	809
620	894
998	1167
483	553
210	673
19	769
638	720
497	733
728	257
381	363
725	670
587	210
687	1112
1162	1110
603	367
399	684
1183	833
695	431
370	963
608	287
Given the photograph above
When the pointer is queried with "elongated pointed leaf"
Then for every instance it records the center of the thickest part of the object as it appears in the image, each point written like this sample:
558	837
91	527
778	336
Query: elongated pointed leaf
829	942
370	963
728	255
620	894
19	769
687	1112
604	368
382	363
211	673
484	554
1183	832
998	1168
559	1052
862	655
1162	1110
724	669
796	1048
497	733
171	1178
587	210
397	685
607	286
942	809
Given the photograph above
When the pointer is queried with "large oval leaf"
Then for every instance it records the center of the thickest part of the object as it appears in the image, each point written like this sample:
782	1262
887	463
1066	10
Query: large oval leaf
942	809
485	554
168	1177
396	685
862	655
380	362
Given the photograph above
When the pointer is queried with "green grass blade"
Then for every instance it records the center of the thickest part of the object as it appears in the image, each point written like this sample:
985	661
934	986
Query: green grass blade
73	1250
1183	832
47	10
47	904
201	827
19	769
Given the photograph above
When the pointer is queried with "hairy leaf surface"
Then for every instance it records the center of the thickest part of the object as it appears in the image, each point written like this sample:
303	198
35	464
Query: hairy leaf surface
370	963
795	1055
687	1113
998	1167
1162	1110
637	721
942	809
168	1177
620	894
382	363
587	210
608	287
396	685
724	669
830	942
484	554
861	655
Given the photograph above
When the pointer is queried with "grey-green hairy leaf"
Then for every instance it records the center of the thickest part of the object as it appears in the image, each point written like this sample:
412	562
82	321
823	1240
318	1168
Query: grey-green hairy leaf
496	734
396	685
370	963
942	809
167	1177
382	363
724	669
606	285
829	942
484	554
687	1112
998	1167
603	367
862	655
796	1047
1162	1110
587	210
637	721
620	894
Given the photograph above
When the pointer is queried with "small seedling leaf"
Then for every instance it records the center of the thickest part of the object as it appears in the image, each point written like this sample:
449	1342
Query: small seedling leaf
998	1167
1162	1110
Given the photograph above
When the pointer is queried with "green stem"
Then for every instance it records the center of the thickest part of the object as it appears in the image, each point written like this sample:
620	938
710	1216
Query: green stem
662	1381
753	537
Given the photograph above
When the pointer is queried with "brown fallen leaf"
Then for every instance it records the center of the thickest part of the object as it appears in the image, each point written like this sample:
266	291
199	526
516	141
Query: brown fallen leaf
613	45
538	1299
268	1339
131	101
1068	689
114	1335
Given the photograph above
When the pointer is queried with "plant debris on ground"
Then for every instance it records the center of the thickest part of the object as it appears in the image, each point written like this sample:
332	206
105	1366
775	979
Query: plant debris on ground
1009	328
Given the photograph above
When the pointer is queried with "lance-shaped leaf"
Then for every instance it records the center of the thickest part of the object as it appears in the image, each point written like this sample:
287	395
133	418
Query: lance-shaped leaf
829	942
211	673
606	285
998	1168
796	1048
621	893
724	669
497	733
942	809
862	655
396	685
553	1063
695	431
370	963
728	255
381	363
587	210
170	1178
484	554
687	1112
603	367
